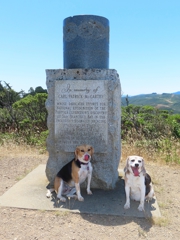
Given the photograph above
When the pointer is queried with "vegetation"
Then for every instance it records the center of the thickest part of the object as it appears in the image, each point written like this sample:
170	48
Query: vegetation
145	130
23	116
151	132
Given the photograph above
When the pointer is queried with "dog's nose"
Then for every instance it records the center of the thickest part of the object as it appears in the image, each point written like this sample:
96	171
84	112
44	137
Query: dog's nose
86	157
136	165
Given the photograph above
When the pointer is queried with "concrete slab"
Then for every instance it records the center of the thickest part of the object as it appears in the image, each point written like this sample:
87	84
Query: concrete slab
30	193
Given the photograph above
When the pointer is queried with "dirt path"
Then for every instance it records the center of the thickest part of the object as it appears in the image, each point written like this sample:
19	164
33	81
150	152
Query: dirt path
25	224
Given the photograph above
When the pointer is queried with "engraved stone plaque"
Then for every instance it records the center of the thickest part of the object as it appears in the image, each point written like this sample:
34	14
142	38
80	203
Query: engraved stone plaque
81	114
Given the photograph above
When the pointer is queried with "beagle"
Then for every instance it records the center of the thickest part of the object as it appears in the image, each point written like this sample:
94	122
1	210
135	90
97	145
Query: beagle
138	184
68	179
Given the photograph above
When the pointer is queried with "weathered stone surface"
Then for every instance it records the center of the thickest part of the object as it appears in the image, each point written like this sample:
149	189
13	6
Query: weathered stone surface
84	108
86	42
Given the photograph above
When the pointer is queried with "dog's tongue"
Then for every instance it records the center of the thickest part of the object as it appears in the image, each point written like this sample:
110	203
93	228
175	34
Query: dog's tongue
135	171
86	157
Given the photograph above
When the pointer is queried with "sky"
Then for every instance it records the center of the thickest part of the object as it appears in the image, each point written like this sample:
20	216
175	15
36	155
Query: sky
144	41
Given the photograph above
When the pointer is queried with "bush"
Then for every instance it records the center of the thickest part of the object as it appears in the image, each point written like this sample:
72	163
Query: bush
32	113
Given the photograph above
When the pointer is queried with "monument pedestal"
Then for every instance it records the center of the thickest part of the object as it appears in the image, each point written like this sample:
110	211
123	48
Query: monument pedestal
84	107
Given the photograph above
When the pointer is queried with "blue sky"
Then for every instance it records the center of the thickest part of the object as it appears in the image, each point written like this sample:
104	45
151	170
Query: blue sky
144	41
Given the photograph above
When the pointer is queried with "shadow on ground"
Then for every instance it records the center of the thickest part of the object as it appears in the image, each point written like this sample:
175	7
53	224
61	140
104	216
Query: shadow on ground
30	193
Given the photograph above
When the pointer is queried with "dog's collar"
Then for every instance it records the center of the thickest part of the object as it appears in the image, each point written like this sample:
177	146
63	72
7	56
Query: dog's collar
79	162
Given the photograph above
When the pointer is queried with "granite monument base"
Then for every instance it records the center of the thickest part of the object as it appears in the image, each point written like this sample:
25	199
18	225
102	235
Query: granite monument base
84	107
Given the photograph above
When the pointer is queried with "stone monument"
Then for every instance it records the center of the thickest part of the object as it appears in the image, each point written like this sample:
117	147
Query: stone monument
84	101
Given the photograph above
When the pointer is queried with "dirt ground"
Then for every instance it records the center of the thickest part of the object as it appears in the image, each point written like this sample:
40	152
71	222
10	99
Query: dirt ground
25	224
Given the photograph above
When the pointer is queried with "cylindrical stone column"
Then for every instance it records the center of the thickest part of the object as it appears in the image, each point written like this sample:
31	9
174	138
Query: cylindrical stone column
86	42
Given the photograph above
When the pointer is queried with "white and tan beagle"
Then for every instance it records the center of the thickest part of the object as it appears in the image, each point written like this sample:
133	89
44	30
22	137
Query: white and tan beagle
68	179
138	184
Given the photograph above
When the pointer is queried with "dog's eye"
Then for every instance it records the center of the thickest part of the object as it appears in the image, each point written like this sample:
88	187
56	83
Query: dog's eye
132	160
89	149
82	150
139	161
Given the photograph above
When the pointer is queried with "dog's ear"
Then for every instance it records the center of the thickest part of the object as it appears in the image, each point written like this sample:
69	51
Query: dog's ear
126	169
143	168
76	153
92	151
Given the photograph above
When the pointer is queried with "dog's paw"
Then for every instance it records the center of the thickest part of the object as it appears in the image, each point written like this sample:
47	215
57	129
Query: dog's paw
149	199
81	198
89	192
141	208
127	206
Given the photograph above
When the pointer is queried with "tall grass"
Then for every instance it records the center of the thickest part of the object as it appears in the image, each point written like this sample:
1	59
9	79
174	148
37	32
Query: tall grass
164	150
160	150
32	142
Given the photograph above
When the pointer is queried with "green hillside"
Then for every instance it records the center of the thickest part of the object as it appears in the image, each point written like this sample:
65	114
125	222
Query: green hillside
165	101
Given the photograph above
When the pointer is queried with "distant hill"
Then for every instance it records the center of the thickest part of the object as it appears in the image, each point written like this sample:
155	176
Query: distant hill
165	101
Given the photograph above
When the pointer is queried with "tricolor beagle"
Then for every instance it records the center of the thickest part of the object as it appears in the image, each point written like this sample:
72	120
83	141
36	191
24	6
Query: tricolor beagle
69	178
137	182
